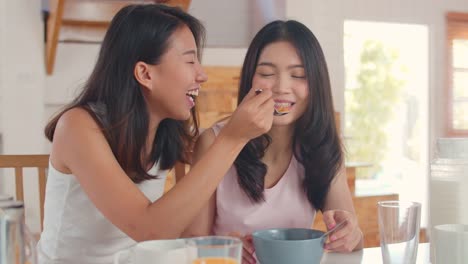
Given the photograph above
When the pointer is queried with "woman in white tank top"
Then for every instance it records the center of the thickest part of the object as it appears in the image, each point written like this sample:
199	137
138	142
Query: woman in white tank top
112	146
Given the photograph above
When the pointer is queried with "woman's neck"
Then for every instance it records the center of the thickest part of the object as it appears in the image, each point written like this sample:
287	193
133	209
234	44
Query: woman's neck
281	143
153	125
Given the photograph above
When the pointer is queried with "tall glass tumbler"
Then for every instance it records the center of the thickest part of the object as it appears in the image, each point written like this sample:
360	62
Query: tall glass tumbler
399	223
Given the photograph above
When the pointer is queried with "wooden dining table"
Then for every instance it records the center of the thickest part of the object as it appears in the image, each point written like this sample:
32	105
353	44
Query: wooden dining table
371	256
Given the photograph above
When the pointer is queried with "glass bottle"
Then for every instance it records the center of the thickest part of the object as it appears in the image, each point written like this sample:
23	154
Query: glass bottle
17	244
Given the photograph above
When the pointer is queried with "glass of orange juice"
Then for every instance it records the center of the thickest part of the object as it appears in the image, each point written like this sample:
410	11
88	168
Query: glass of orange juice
214	250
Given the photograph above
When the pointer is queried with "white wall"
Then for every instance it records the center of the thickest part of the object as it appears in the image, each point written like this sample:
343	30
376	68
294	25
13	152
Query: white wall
22	90
234	15
2	66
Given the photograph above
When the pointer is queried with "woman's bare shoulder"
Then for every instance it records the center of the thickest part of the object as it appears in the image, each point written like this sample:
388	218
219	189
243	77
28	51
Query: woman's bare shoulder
206	139
76	118
75	129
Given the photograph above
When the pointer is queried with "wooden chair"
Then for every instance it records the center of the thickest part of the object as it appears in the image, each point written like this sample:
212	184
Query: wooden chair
19	162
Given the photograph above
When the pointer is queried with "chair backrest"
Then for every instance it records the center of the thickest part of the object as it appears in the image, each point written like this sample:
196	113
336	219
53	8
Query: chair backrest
19	162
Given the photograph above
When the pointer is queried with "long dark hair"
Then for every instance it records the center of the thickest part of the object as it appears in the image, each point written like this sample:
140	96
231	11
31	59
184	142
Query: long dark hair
136	33
316	142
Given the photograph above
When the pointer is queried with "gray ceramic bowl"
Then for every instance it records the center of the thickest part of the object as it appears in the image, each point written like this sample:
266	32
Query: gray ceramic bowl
289	245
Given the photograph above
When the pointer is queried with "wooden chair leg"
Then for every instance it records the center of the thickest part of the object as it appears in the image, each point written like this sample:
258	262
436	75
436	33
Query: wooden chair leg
42	185
19	184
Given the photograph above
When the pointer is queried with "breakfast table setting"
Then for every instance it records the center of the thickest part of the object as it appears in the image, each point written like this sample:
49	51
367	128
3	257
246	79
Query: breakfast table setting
179	256
399	224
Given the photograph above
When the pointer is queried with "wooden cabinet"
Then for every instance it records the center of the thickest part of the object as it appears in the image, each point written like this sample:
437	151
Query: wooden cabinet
218	96
351	168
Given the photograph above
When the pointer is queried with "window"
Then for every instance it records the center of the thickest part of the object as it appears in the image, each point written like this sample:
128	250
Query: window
386	108
457	79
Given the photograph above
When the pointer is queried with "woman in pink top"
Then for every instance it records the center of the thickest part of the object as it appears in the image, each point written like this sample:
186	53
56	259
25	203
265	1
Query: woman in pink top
281	178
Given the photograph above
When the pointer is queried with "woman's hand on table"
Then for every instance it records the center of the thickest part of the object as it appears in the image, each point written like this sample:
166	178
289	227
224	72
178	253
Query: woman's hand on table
248	248
348	237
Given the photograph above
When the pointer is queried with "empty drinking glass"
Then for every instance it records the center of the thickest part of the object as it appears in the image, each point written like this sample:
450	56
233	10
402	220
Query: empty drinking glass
399	231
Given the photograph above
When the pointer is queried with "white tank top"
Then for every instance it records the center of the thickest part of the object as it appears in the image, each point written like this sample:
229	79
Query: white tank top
75	231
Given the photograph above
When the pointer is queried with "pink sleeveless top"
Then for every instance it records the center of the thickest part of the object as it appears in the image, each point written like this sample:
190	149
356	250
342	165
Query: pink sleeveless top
285	206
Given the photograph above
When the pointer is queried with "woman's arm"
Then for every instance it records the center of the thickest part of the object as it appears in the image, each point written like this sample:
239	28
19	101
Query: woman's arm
80	148
339	207
203	223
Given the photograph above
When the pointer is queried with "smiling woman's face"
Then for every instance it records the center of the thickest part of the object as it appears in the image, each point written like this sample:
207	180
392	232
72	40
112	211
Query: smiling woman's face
177	78
280	69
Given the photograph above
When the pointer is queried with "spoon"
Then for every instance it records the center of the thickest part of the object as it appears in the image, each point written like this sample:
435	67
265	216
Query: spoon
335	228
276	113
